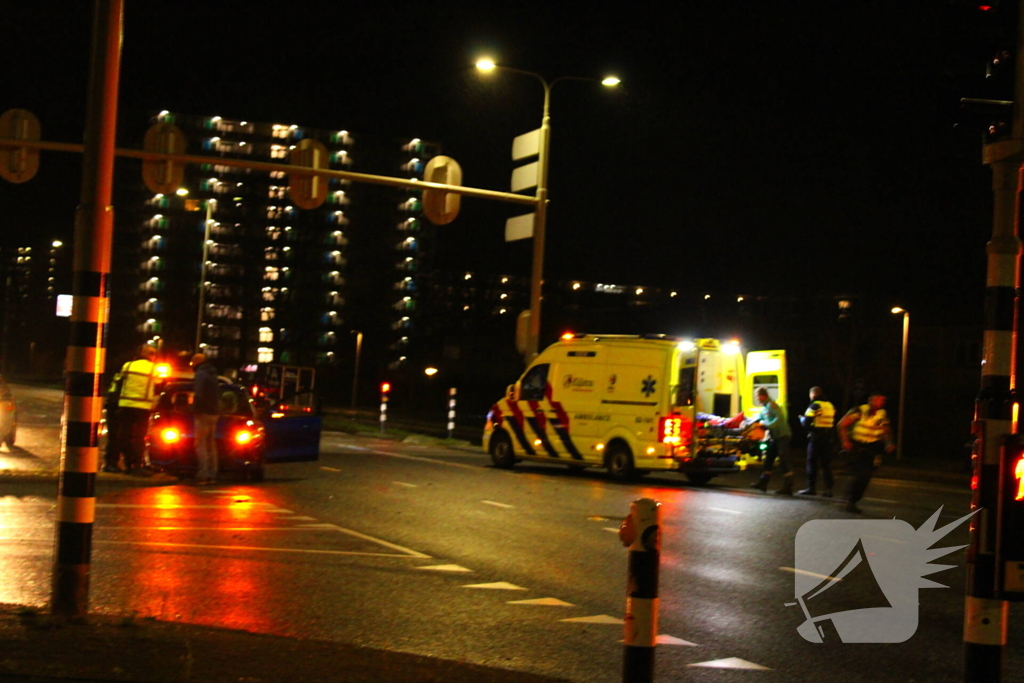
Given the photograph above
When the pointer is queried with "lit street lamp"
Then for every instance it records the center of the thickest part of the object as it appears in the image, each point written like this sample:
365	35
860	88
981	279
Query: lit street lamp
903	381
544	146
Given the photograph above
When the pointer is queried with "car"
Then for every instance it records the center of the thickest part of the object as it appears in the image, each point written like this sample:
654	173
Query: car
248	437
8	416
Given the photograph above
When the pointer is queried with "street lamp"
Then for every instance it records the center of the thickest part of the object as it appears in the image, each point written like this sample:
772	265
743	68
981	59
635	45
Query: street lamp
903	380
540	219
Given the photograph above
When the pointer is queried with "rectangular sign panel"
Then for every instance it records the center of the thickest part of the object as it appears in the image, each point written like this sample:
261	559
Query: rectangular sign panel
526	145
525	177
519	228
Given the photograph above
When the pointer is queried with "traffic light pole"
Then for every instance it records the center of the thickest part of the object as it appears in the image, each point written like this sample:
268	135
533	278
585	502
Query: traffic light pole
986	611
86	355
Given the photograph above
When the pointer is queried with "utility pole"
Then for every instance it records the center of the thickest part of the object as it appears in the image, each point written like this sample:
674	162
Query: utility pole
86	355
995	415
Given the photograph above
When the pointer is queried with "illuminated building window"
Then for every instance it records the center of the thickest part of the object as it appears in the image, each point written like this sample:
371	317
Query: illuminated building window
271	274
267	314
265	355
266	334
278	152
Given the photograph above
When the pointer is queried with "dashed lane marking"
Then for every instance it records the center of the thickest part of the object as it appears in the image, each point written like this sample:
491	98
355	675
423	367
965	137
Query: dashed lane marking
731	512
497	505
299	518
881	500
611	529
445	568
596	619
406	485
542	602
329	469
730	663
498	586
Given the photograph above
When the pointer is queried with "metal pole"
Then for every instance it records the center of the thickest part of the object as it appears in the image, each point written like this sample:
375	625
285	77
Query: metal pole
355	372
539	227
903	386
202	274
86	354
641	533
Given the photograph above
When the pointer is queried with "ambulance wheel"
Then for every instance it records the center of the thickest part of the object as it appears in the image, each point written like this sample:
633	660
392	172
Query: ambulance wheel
698	478
501	451
620	463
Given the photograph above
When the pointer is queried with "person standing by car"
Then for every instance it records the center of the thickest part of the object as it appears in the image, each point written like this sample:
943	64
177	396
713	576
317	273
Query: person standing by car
865	434
205	409
818	420
773	418
138	393
115	447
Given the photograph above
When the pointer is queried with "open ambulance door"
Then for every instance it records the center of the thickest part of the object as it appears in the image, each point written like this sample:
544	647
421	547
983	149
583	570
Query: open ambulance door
765	369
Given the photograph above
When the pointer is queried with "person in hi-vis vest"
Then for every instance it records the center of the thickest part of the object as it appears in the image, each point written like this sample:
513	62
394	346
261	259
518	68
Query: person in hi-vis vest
865	433
819	419
138	392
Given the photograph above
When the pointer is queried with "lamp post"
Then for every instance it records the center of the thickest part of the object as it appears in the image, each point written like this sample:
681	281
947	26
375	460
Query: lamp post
540	218
903	381
202	273
355	370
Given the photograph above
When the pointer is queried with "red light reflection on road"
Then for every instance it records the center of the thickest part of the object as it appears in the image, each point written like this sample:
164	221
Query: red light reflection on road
184	581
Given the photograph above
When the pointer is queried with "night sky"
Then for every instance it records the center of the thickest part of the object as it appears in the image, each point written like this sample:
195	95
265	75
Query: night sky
753	148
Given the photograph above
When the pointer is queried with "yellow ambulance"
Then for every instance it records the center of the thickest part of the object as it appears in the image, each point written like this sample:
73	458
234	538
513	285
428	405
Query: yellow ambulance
634	404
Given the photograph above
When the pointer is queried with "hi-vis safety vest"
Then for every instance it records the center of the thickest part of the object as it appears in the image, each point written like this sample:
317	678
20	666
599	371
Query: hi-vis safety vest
870	428
138	390
824	414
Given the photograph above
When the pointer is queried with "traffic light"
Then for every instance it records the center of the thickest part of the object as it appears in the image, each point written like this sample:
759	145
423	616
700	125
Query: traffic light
1010	532
385	387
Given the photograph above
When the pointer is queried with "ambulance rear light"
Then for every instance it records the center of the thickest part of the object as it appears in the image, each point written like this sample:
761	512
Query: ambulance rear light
670	430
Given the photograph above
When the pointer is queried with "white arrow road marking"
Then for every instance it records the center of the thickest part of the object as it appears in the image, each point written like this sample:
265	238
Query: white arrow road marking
497	505
446	568
807	573
329	469
499	585
665	639
544	602
402	483
731	663
596	619
732	512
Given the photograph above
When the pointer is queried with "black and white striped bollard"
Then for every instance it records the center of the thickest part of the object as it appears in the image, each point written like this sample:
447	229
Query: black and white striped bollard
641	533
451	412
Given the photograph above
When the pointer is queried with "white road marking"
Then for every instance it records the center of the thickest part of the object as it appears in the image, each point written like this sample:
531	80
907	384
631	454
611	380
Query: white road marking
731	663
408	486
430	460
269	550
497	505
807	573
543	602
329	469
731	512
498	586
596	619
881	500
316	526
611	529
445	568
665	639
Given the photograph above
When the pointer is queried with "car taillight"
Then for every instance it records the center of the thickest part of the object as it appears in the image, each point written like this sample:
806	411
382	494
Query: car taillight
243	436
170	435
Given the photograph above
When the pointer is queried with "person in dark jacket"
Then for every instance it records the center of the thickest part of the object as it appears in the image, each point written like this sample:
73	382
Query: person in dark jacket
818	420
205	408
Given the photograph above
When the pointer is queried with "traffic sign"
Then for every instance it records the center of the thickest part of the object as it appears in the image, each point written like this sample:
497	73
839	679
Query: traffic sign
18	164
442	207
309	191
163	176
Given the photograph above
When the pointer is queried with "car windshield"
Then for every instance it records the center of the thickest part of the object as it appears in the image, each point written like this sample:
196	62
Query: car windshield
178	396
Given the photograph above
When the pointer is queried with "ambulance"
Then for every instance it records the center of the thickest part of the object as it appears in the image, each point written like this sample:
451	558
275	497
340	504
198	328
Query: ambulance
636	404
